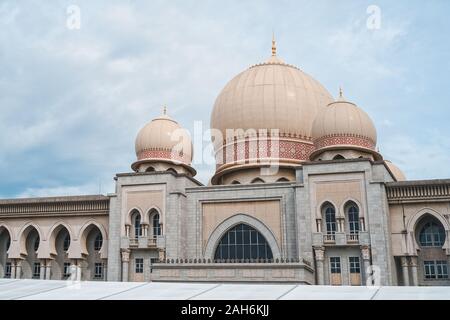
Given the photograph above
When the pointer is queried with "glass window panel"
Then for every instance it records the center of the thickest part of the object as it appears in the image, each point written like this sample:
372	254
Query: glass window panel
243	242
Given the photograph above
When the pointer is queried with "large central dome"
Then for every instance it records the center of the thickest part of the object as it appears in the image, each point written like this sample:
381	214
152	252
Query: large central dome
269	95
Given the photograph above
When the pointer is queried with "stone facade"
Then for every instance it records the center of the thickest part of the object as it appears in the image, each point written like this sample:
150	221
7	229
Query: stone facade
194	218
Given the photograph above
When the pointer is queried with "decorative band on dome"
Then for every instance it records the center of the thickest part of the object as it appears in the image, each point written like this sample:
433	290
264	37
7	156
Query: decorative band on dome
339	139
251	151
270	133
164	154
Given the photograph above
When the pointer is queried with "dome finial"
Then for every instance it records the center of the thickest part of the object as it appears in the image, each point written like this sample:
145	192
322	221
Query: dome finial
274	45
164	110
341	94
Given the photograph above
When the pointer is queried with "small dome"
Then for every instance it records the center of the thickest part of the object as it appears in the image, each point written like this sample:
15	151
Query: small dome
163	139
398	174
343	123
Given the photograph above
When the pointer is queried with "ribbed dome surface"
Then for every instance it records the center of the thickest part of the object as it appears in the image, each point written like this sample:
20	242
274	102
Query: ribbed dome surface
343	118
398	174
271	95
164	138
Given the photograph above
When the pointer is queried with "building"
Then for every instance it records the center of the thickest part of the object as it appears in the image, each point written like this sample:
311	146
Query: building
300	195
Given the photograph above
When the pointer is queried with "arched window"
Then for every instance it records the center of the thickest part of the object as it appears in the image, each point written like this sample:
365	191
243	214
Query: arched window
172	170
98	242
137	225
235	182
150	169
283	179
330	219
353	218
36	243
66	244
338	157
243	242
432	234
156	225
257	180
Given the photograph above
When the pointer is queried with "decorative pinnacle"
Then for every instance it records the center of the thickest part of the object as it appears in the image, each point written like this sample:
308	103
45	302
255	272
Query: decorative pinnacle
274	45
164	110
341	94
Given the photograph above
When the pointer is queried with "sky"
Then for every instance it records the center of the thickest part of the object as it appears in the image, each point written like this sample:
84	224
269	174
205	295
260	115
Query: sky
75	92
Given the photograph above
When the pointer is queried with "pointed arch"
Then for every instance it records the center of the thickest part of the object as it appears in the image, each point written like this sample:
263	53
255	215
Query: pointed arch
84	232
54	232
416	219
172	170
131	212
338	157
412	223
346	202
155	221
257	180
23	235
319	208
8	229
233	221
328	214
235	182
283	179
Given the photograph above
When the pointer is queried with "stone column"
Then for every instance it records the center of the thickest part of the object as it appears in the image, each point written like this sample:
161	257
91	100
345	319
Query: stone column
405	271
42	272
48	269
415	277
125	263
145	230
319	225
105	269
75	269
127	230
13	269
18	268
365	252
319	253
362	224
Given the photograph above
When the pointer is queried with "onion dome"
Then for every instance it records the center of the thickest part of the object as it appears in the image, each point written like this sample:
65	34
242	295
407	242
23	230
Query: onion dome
163	140
268	96
343	125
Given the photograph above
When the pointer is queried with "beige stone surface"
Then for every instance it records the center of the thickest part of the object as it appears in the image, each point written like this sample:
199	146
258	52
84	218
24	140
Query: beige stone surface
338	189
267	211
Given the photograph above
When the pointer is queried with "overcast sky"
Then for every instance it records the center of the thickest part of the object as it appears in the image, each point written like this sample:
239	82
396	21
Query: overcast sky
72	100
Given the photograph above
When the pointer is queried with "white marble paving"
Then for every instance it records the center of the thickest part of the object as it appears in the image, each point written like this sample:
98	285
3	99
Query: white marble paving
91	290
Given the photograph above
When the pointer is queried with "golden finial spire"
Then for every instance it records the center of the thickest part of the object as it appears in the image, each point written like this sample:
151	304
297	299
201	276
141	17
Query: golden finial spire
274	45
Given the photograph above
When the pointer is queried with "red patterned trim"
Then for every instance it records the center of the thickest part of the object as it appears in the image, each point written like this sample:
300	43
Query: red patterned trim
344	140
249	151
164	154
239	135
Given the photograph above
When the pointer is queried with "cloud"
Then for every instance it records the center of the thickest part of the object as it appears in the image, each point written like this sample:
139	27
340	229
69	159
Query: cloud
420	159
73	101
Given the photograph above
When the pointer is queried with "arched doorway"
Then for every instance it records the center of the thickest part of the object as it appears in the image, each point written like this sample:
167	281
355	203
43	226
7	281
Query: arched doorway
243	242
31	266
61	266
5	263
94	264
432	259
